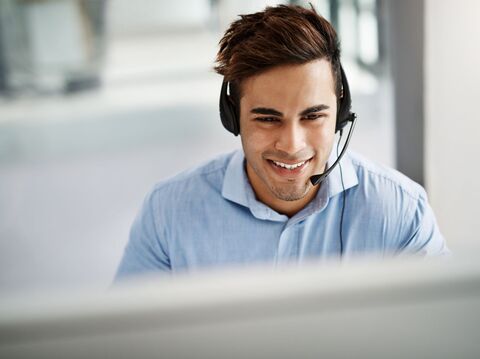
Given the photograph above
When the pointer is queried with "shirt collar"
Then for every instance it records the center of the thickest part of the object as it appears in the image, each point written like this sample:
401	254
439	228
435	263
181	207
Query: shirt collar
237	188
235	182
348	172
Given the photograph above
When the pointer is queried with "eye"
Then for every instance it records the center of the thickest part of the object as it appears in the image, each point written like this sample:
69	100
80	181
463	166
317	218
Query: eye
266	119
314	116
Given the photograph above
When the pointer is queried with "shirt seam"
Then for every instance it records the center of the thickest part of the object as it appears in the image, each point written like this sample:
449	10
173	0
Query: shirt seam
173	181
159	242
413	210
389	179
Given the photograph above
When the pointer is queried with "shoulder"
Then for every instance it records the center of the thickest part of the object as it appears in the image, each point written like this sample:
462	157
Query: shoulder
383	180
207	176
396	207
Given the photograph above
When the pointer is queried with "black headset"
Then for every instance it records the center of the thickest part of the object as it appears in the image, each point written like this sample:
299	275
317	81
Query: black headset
229	114
231	121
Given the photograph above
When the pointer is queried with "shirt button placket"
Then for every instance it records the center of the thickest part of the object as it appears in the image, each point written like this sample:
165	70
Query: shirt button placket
287	245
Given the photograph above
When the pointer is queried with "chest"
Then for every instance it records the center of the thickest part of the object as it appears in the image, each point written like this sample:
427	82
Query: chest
236	237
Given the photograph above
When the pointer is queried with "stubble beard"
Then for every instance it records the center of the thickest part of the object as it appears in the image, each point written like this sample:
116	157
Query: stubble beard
289	192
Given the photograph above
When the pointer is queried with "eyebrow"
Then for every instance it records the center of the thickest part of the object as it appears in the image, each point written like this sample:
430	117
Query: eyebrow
266	111
312	109
271	111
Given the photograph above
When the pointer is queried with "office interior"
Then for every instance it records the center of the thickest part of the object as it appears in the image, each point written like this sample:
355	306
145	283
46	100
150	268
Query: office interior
99	100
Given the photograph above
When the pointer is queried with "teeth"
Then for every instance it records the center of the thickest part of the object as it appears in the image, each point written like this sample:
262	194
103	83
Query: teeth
289	167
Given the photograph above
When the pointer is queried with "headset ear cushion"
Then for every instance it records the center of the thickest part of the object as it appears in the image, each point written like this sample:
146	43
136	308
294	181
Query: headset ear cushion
228	113
345	103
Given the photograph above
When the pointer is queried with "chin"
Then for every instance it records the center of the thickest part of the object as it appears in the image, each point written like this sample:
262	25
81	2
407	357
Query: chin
290	192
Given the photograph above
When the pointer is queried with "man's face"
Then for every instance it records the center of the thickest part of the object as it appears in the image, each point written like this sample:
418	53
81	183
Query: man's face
287	126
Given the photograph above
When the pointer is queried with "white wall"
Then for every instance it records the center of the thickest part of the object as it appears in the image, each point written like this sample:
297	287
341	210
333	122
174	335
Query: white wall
126	17
452	95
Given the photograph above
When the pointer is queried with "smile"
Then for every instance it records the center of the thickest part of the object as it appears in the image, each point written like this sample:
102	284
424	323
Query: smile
287	166
289	170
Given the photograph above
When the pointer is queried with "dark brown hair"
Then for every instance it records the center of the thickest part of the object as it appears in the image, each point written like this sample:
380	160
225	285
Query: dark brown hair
280	35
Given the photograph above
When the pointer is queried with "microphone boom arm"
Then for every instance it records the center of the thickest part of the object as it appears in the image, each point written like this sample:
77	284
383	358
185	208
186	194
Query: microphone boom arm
316	179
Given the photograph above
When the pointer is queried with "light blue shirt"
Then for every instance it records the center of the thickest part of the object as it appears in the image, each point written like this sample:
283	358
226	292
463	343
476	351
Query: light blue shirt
209	217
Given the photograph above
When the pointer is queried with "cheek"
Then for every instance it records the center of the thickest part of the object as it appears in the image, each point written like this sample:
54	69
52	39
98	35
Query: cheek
254	140
323	137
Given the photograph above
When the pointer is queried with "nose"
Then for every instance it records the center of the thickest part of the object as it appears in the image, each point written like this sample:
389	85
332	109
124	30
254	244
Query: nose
291	139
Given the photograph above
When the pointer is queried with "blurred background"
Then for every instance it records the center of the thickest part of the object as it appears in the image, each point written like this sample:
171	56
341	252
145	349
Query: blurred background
101	99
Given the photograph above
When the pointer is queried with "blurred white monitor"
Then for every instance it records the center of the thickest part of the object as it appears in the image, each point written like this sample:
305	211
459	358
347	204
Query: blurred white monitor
400	309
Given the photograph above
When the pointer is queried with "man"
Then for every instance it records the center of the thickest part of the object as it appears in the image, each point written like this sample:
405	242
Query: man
288	98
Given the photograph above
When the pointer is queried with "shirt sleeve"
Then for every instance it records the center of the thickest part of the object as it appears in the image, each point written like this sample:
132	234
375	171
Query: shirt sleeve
145	252
423	236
